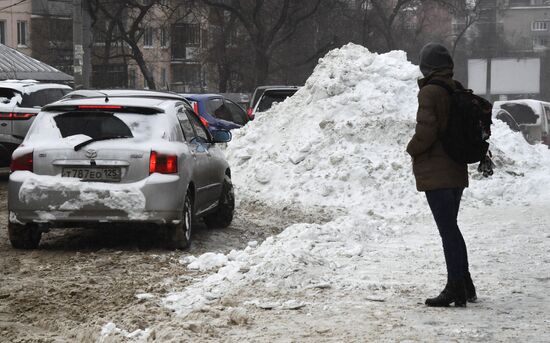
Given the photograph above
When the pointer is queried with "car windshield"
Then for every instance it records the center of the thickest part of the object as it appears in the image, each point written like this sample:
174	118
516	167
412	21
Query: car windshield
271	97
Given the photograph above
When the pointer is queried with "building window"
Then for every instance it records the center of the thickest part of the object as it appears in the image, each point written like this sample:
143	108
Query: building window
189	74
148	37
182	37
163	77
540	42
193	34
132	78
540	2
110	76
519	3
539	26
163	37
21	33
2	32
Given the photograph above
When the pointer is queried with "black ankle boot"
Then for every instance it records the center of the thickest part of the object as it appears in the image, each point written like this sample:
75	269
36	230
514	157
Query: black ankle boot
454	292
471	295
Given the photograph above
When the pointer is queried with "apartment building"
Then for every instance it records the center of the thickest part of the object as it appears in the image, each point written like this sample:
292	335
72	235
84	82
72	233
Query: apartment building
15	22
172	42
507	50
526	24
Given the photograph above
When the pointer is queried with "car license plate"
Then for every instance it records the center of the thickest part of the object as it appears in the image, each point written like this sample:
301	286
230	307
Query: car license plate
109	174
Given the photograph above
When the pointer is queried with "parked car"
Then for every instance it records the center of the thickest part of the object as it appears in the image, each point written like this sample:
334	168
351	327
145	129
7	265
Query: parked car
20	101
93	161
265	96
241	99
531	117
217	112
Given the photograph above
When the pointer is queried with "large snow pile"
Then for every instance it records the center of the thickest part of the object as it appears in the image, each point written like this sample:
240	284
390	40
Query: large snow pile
340	142
341	139
338	139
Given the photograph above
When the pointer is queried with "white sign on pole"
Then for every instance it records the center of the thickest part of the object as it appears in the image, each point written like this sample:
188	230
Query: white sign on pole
477	75
515	76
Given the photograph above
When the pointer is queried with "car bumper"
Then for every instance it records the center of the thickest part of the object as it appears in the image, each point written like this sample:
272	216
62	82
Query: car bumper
53	199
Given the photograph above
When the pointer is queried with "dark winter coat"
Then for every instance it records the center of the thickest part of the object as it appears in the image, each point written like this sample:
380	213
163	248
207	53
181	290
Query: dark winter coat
432	167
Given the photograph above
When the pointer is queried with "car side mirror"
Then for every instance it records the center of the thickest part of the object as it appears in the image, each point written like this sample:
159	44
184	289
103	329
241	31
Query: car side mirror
221	136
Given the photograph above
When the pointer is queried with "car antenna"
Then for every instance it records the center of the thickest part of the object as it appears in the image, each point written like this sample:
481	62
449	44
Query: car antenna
106	96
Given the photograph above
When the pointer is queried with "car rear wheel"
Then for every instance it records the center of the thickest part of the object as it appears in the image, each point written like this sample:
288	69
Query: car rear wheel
24	236
223	215
180	234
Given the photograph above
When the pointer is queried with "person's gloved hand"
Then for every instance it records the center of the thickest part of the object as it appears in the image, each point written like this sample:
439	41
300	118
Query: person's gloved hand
486	165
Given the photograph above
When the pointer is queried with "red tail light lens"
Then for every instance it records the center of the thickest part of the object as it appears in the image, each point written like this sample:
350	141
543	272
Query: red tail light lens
23	162
22	115
204	122
250	114
163	164
16	116
544	138
99	107
196	107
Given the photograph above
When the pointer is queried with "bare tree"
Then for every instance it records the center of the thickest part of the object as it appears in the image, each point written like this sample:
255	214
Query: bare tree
125	22
227	49
268	23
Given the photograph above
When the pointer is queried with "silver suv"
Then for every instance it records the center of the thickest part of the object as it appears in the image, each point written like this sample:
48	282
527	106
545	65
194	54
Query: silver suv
20	101
94	161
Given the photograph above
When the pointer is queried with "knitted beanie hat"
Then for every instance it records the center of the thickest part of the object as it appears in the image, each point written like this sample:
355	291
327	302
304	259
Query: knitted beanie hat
434	56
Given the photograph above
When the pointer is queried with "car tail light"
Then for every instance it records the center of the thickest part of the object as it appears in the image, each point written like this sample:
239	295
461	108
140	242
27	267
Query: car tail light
196	107
250	114
23	162
99	107
22	116
163	164
544	138
204	122
16	116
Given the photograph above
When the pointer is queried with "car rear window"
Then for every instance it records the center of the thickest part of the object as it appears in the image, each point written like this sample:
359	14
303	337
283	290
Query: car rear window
94	125
271	97
226	110
522	113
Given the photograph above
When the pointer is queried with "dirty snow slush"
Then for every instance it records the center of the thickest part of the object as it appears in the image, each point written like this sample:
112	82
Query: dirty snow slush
80	279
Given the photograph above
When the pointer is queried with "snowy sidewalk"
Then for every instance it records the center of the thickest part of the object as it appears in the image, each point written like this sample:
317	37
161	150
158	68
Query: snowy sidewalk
510	261
379	295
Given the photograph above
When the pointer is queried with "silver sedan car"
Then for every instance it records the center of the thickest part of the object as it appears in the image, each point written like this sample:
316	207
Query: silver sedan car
90	161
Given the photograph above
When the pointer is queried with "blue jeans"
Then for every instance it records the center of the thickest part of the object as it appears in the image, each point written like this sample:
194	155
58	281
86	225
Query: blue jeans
444	204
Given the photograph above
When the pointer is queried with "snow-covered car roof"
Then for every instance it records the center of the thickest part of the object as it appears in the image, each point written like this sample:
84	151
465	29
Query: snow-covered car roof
535	105
29	86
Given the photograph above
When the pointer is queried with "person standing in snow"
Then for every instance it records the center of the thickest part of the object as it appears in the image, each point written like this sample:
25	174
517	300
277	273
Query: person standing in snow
441	178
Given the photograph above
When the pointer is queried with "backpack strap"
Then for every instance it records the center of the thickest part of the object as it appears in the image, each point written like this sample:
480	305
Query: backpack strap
442	84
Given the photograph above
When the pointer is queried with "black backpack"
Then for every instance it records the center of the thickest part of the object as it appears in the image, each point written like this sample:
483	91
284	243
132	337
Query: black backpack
469	124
